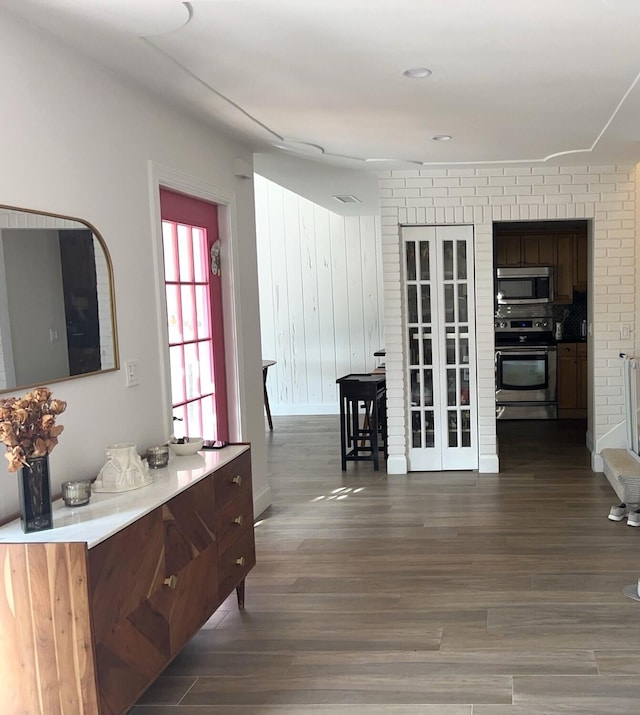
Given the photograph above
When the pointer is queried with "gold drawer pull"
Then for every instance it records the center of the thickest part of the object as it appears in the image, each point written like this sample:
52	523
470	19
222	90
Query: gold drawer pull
238	520
171	582
240	561
237	480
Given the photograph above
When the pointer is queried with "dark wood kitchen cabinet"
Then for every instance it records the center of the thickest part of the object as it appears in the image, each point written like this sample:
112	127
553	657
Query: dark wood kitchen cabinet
563	269
572	380
513	250
91	622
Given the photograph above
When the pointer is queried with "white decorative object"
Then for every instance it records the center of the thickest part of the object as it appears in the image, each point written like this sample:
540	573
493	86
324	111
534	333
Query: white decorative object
192	445
124	470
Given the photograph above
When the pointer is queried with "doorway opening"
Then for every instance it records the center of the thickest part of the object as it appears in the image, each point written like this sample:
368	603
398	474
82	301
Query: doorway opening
556	324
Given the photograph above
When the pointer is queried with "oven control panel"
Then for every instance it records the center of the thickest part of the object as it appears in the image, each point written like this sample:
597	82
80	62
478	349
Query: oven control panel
523	325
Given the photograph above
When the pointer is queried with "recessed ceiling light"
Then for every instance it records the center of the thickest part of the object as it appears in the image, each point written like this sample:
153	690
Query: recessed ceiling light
417	72
442	137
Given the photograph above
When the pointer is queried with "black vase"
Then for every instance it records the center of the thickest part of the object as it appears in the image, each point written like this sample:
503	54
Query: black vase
35	495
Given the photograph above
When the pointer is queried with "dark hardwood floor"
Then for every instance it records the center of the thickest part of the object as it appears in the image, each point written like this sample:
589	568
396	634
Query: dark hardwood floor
427	594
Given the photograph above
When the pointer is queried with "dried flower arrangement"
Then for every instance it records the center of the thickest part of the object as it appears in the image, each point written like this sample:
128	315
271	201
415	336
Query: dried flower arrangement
28	426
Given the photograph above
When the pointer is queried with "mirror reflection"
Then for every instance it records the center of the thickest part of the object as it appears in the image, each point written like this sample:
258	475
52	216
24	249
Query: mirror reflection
57	317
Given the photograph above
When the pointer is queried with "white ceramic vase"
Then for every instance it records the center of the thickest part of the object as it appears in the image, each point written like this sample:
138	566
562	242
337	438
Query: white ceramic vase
123	470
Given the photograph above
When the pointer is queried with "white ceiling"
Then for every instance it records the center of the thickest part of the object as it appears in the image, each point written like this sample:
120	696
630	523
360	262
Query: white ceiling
530	81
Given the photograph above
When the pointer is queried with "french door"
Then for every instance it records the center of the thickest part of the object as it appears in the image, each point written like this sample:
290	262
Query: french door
439	328
193	286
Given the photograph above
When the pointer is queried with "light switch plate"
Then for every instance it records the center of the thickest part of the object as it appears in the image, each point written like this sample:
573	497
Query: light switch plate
131	373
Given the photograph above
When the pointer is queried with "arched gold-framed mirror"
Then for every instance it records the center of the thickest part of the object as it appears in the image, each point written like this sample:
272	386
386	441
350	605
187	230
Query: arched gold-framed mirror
57	300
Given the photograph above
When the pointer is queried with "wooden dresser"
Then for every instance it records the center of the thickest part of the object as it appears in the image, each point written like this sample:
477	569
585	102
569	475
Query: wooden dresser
94	609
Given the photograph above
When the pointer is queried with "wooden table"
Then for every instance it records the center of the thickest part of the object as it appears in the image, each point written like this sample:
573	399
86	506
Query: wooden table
266	364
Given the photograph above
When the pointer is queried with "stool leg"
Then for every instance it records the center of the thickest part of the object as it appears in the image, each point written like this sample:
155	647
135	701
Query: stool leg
344	417
355	426
374	435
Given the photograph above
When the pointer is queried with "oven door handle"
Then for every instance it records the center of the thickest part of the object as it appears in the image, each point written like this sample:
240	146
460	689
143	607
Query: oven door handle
526	351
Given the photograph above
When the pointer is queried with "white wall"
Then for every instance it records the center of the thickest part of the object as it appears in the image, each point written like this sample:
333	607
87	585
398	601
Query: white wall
604	194
320	277
79	142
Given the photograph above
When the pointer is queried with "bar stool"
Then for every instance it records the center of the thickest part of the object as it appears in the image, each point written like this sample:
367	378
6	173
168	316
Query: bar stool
360	443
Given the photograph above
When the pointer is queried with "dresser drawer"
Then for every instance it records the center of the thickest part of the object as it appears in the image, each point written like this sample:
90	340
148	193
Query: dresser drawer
235	562
233	520
233	480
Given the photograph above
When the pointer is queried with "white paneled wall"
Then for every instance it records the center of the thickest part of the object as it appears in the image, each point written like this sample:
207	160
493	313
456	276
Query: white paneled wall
320	278
604	194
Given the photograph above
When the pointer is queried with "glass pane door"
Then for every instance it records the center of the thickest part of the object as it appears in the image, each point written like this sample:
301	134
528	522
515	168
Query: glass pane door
439	329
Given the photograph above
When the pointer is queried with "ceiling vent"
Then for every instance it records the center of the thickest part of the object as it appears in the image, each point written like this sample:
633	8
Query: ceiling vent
348	199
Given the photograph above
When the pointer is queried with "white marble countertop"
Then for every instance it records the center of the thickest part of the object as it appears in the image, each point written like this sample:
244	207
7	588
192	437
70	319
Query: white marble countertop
106	514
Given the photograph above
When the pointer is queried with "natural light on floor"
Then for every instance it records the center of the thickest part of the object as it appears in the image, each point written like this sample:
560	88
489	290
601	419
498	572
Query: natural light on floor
341	493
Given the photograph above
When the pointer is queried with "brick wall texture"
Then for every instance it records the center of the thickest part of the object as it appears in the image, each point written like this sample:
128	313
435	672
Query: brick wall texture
605	195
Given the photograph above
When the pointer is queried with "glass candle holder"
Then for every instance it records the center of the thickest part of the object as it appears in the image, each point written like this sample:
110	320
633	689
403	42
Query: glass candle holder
76	493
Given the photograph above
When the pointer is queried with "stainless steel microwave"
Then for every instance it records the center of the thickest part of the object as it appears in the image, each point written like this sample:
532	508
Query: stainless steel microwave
524	285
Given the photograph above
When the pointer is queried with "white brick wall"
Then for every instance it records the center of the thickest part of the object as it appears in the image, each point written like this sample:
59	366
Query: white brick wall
604	194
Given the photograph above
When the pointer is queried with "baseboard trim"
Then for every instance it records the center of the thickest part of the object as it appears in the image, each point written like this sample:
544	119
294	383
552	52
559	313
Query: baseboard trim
488	464
262	500
396	464
295	410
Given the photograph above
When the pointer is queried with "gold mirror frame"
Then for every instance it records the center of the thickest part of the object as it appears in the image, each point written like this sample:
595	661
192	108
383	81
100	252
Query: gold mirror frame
57	300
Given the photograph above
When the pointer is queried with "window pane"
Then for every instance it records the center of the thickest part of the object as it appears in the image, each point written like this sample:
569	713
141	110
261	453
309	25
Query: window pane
453	429
179	424
429	440
424	261
176	359
200	262
465	416
416	430
194	419
451	350
414	377
451	388
449	303
209	426
463	304
448	260
202	312
174	321
192	371
169	247
187	296
206	364
462	260
428	388
185	253
426	303
464	350
463	376
412	301
411	260
414	347
427	351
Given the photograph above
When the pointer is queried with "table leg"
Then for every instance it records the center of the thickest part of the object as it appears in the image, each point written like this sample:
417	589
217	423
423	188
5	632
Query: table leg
266	396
